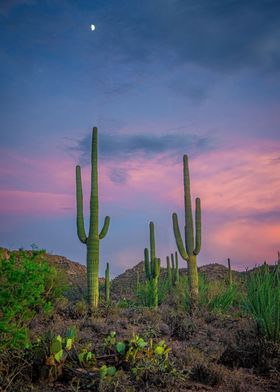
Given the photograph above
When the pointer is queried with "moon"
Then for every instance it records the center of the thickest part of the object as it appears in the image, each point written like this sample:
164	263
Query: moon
92	27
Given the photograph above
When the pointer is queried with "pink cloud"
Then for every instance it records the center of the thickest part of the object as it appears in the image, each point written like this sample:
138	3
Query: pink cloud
246	241
237	186
38	203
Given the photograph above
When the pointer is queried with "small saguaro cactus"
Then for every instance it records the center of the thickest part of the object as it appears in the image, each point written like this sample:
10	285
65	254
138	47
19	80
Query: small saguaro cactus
229	273
174	269
169	272
177	275
107	283
278	261
192	247
92	240
152	265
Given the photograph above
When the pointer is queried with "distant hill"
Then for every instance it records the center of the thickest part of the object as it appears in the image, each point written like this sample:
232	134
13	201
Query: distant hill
124	284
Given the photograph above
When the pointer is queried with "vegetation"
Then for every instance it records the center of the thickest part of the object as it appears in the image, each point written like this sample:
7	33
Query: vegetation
218	296
263	300
107	284
28	287
172	329
152	268
229	273
189	252
93	238
145	292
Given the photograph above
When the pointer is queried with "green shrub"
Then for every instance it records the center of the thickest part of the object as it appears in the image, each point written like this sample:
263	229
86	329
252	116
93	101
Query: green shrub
80	308
217	295
263	300
144	292
28	286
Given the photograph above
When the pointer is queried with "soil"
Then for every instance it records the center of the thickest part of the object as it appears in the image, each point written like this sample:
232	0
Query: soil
209	352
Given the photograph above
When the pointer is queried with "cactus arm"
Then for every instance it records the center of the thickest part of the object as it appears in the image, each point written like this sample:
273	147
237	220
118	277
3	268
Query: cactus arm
147	263
189	235
80	214
178	238
197	226
105	228
177	275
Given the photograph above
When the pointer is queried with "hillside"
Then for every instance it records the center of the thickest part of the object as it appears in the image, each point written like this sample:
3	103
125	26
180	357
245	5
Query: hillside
124	284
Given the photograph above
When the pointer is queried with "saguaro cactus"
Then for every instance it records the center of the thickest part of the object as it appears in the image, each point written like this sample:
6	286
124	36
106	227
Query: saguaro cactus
152	266
177	275
92	240
107	283
174	269
169	272
189	251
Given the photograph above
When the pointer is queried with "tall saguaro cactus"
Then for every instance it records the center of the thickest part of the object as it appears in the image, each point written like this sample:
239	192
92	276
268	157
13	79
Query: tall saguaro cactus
192	246
152	265
92	240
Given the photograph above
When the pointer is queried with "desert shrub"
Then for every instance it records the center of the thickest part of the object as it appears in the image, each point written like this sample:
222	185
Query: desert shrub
206	374
144	292
80	308
263	300
124	303
217	296
28	286
180	323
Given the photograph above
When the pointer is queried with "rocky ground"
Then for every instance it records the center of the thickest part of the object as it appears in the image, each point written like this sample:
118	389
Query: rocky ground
209	352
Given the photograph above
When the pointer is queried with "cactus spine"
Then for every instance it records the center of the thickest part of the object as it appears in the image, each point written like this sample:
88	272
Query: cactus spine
92	240
107	284
152	266
191	249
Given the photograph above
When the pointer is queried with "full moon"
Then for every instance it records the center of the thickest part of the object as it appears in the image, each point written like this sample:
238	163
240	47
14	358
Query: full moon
92	27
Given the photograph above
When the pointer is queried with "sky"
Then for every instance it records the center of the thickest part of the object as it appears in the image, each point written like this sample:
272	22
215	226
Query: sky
160	79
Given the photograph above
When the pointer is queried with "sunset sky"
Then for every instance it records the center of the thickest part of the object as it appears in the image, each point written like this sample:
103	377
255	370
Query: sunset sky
159	78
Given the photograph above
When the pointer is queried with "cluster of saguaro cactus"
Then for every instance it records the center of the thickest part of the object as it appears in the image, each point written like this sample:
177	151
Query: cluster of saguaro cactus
172	270
192	246
92	240
189	251
107	284
152	266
